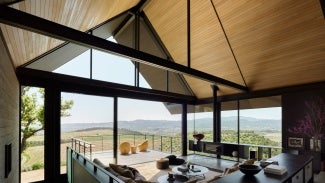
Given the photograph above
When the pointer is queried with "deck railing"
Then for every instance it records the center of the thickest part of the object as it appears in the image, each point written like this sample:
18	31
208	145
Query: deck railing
172	145
102	143
82	147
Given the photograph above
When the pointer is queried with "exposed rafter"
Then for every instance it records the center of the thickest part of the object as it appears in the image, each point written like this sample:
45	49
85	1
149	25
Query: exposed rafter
23	20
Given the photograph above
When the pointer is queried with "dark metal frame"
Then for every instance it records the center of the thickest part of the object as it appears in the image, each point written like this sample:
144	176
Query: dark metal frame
32	77
266	93
322	3
22	20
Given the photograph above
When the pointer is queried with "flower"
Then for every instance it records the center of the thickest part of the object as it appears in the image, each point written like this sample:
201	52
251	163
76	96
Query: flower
313	123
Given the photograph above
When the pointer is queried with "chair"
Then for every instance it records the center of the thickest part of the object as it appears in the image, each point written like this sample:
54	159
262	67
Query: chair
125	148
143	146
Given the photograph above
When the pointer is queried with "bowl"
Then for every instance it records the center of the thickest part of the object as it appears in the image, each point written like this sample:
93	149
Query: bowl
199	136
249	169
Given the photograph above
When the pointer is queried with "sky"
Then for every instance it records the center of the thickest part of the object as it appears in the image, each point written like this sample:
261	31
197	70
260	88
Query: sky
112	68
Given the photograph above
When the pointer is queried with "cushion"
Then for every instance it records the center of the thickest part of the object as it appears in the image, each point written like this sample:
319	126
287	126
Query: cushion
111	171
125	179
122	170
173	160
99	163
138	177
171	157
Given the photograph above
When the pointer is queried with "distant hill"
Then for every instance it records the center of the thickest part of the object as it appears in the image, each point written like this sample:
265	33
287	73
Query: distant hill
163	127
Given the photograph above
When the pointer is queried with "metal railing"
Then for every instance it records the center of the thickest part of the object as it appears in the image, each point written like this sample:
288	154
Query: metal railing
82	147
102	143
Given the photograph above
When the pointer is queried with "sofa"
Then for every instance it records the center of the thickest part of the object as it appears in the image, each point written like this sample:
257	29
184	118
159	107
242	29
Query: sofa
123	172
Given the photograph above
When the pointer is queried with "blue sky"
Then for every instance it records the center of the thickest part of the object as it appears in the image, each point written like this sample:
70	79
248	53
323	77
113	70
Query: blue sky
112	68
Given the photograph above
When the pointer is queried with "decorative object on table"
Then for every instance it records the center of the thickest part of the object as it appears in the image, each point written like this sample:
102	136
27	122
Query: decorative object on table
315	144
264	163
275	169
183	168
170	177
193	169
181	178
234	153
313	123
295	142
249	170
198	136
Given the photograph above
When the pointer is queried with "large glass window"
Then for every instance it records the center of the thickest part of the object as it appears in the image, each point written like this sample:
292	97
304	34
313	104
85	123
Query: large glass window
258	128
229	122
32	134
112	68
87	126
140	120
78	66
261	125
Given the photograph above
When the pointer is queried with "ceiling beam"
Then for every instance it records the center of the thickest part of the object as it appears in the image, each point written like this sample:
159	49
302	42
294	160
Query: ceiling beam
9	2
74	84
39	25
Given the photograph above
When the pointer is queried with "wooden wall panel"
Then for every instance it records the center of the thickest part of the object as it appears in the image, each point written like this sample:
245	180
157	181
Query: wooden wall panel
9	114
78	14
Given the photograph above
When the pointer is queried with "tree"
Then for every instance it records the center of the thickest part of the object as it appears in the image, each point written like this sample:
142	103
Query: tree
32	113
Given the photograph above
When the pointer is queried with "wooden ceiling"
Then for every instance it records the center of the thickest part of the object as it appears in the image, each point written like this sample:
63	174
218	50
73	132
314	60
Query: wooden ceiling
276	43
78	14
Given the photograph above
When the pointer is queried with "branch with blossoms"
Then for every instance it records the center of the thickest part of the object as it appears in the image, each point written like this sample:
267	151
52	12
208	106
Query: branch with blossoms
313	123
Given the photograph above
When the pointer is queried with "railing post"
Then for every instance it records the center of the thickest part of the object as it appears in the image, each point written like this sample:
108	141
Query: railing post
153	142
72	143
91	146
79	146
84	148
102	143
171	145
161	144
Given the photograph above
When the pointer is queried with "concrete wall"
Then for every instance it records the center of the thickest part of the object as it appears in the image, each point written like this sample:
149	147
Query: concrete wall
9	115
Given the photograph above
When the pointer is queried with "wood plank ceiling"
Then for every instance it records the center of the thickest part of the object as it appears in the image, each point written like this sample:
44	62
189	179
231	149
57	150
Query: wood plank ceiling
78	14
276	43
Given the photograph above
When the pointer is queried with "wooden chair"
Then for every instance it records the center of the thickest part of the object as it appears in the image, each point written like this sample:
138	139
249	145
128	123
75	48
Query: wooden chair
125	148
143	146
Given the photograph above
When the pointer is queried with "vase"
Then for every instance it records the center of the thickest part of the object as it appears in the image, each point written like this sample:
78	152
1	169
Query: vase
198	137
315	144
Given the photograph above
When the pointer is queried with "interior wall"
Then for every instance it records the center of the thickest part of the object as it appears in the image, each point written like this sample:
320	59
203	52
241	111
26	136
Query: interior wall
296	110
9	115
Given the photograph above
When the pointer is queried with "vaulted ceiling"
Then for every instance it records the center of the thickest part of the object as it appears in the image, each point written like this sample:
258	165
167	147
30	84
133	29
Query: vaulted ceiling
260	44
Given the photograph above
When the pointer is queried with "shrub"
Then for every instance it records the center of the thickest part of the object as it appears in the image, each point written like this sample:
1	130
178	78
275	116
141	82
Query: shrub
37	166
